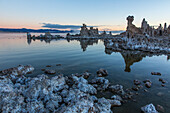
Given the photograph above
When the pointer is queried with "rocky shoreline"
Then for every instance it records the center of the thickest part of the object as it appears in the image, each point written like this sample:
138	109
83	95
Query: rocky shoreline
151	45
61	94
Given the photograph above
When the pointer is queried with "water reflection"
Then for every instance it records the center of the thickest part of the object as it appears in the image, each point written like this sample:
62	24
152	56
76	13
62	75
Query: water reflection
85	42
131	57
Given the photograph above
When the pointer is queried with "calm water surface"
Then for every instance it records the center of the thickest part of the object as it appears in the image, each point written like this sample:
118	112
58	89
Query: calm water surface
79	56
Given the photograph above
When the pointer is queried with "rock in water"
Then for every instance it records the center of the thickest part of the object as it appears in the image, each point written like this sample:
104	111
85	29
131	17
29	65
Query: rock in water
117	89
160	108
59	94
102	72
114	103
49	71
116	97
156	73
100	83
137	82
19	70
148	84
150	108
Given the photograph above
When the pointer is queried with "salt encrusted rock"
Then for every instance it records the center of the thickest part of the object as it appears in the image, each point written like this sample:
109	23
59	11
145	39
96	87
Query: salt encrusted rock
117	89
19	70
50	71
100	83
84	75
103	106
116	97
114	103
102	72
44	94
82	85
150	108
87	88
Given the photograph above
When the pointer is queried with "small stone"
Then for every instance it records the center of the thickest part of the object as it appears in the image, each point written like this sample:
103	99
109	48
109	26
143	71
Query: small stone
134	100
160	94
48	66
114	103
135	88
103	72
160	108
148	84
58	64
86	75
140	86
137	82
42	69
156	73
150	108
145	90
49	71
99	75
147	80
163	85
161	80
116	97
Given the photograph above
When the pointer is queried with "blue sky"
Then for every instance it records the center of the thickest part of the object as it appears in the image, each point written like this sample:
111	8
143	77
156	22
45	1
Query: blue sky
108	14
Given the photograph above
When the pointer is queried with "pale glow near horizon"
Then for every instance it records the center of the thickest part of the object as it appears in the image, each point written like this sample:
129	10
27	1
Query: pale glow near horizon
111	13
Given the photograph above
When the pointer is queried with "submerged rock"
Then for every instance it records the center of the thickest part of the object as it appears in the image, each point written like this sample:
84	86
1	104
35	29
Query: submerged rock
160	108
48	65
58	64
150	108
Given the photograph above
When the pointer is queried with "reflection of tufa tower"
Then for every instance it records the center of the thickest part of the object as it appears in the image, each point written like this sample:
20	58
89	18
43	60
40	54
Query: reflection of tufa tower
130	58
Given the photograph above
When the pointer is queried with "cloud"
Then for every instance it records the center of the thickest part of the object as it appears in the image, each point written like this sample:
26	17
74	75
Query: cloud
59	26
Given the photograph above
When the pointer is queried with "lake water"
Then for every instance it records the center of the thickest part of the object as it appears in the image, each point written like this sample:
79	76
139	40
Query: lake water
77	56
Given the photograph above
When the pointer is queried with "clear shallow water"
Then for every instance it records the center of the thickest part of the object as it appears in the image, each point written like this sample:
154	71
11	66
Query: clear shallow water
79	56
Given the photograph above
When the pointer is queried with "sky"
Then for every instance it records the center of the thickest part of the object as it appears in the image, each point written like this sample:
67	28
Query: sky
70	14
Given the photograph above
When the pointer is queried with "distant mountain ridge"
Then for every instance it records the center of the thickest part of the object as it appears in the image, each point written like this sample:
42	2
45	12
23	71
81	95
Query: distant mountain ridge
24	30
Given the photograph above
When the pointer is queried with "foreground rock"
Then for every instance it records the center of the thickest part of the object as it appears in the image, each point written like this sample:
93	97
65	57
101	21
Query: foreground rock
56	94
150	108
